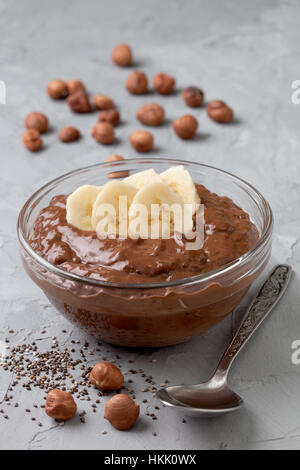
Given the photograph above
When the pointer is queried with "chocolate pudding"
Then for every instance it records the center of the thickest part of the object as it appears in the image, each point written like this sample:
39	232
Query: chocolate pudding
145	316
229	234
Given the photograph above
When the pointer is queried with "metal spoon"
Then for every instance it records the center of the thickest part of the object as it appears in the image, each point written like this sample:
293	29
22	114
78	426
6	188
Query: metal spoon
215	397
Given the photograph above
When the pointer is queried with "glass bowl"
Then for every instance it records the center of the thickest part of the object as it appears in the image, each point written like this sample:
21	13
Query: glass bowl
156	314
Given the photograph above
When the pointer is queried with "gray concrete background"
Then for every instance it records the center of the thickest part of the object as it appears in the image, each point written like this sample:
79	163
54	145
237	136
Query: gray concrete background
245	52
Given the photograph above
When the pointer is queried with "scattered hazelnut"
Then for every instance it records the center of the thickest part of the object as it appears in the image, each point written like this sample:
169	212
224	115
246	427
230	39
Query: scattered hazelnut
142	141
32	140
103	102
186	126
193	96
74	85
110	115
151	114
57	89
163	83
121	411
104	133
106	376
218	111
114	158
122	55
69	134
137	83
79	102
116	174
37	121
60	405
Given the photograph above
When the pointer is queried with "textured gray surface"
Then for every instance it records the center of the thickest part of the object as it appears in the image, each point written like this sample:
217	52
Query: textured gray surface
246	53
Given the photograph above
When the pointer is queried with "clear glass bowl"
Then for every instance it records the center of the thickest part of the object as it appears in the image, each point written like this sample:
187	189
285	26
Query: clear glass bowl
156	314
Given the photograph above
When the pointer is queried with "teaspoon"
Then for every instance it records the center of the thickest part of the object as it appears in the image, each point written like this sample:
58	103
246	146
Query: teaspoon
214	397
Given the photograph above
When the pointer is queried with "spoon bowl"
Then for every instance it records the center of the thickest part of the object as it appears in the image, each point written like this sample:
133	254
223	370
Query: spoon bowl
204	400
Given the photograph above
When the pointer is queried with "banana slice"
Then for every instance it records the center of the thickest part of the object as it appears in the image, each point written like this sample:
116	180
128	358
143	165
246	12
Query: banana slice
80	204
142	178
110	209
179	179
156	211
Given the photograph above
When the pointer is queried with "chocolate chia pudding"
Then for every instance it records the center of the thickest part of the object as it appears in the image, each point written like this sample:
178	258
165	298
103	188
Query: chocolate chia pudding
229	234
146	292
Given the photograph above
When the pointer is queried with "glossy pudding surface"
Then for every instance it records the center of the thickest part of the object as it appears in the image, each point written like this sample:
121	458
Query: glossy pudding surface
229	234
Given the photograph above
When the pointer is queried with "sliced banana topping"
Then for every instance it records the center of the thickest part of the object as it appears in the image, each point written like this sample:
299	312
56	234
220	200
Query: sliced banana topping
157	210
80	205
179	179
145	204
142	178
110	210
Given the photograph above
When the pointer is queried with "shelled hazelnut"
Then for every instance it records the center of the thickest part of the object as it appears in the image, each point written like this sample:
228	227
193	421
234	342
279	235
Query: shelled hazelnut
69	134
106	376
121	411
79	102
74	85
122	55
37	121
110	115
32	140
57	89
60	405
116	174
104	133
151	114
141	141
114	158
193	96
137	83
186	126
163	83
103	102
218	111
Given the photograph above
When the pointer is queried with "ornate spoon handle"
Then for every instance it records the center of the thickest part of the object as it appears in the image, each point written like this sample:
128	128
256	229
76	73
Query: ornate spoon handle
265	300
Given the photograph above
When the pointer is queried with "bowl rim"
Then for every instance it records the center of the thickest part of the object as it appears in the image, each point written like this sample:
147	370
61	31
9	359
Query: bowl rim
204	277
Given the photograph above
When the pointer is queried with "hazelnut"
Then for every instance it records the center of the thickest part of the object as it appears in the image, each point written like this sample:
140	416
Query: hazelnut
114	158
60	405
142	141
103	102
193	96
79	102
32	140
151	114
74	85
218	111
57	89
69	134
104	133
186	126
116	174
137	83
121	411
122	55
37	121
106	376
110	115
163	83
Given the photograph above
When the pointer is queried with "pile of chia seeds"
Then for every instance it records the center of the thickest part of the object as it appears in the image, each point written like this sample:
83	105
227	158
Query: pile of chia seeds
68	368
